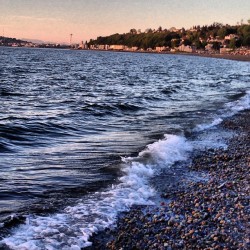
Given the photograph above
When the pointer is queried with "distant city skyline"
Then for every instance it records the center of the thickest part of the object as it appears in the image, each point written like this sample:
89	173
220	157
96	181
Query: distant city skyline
55	20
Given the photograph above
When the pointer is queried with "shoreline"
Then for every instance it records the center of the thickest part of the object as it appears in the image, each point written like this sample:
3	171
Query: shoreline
211	214
242	58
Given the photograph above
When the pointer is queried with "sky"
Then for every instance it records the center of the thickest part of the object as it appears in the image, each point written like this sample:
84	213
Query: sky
55	20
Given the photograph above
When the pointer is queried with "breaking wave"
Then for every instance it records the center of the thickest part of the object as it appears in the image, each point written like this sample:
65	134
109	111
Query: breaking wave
72	228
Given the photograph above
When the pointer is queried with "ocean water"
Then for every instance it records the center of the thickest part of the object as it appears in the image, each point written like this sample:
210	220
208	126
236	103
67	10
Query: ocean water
82	133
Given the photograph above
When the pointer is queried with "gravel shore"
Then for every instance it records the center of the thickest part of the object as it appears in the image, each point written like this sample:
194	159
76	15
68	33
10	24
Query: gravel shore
211	214
237	57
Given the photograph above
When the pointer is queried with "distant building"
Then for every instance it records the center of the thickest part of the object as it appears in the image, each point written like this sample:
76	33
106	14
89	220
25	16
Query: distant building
173	29
93	46
173	50
134	48
187	48
81	45
101	47
212	39
209	47
225	50
160	49
117	47
231	36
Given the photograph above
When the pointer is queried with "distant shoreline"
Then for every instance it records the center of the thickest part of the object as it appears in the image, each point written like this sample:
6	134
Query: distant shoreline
243	58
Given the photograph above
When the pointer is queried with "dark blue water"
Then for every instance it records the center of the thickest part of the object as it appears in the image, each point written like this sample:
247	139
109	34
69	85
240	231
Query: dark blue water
68	118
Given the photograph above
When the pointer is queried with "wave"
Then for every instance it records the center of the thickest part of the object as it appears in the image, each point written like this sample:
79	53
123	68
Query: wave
16	131
128	107
171	89
8	92
14	136
72	228
239	105
168	91
5	147
230	109
110	109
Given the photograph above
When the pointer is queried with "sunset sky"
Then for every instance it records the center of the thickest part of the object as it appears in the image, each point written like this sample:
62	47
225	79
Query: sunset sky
54	20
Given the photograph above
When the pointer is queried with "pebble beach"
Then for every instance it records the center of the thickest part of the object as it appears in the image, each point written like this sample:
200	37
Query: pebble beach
206	214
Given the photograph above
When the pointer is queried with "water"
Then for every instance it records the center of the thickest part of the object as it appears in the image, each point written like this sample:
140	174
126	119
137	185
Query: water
82	133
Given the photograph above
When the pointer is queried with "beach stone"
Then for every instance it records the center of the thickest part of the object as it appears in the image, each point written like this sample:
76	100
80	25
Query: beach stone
207	214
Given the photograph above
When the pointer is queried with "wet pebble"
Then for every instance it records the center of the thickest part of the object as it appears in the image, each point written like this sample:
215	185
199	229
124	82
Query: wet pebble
205	215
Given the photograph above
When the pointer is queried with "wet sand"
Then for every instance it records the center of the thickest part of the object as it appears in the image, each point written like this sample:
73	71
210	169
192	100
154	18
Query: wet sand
206	214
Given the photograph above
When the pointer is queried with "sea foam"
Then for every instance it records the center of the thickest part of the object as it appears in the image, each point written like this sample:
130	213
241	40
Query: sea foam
72	228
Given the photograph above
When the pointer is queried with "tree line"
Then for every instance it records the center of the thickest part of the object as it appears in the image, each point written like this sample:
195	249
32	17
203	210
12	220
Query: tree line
7	40
197	36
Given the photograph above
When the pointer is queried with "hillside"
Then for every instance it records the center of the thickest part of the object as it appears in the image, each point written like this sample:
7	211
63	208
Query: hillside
216	34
